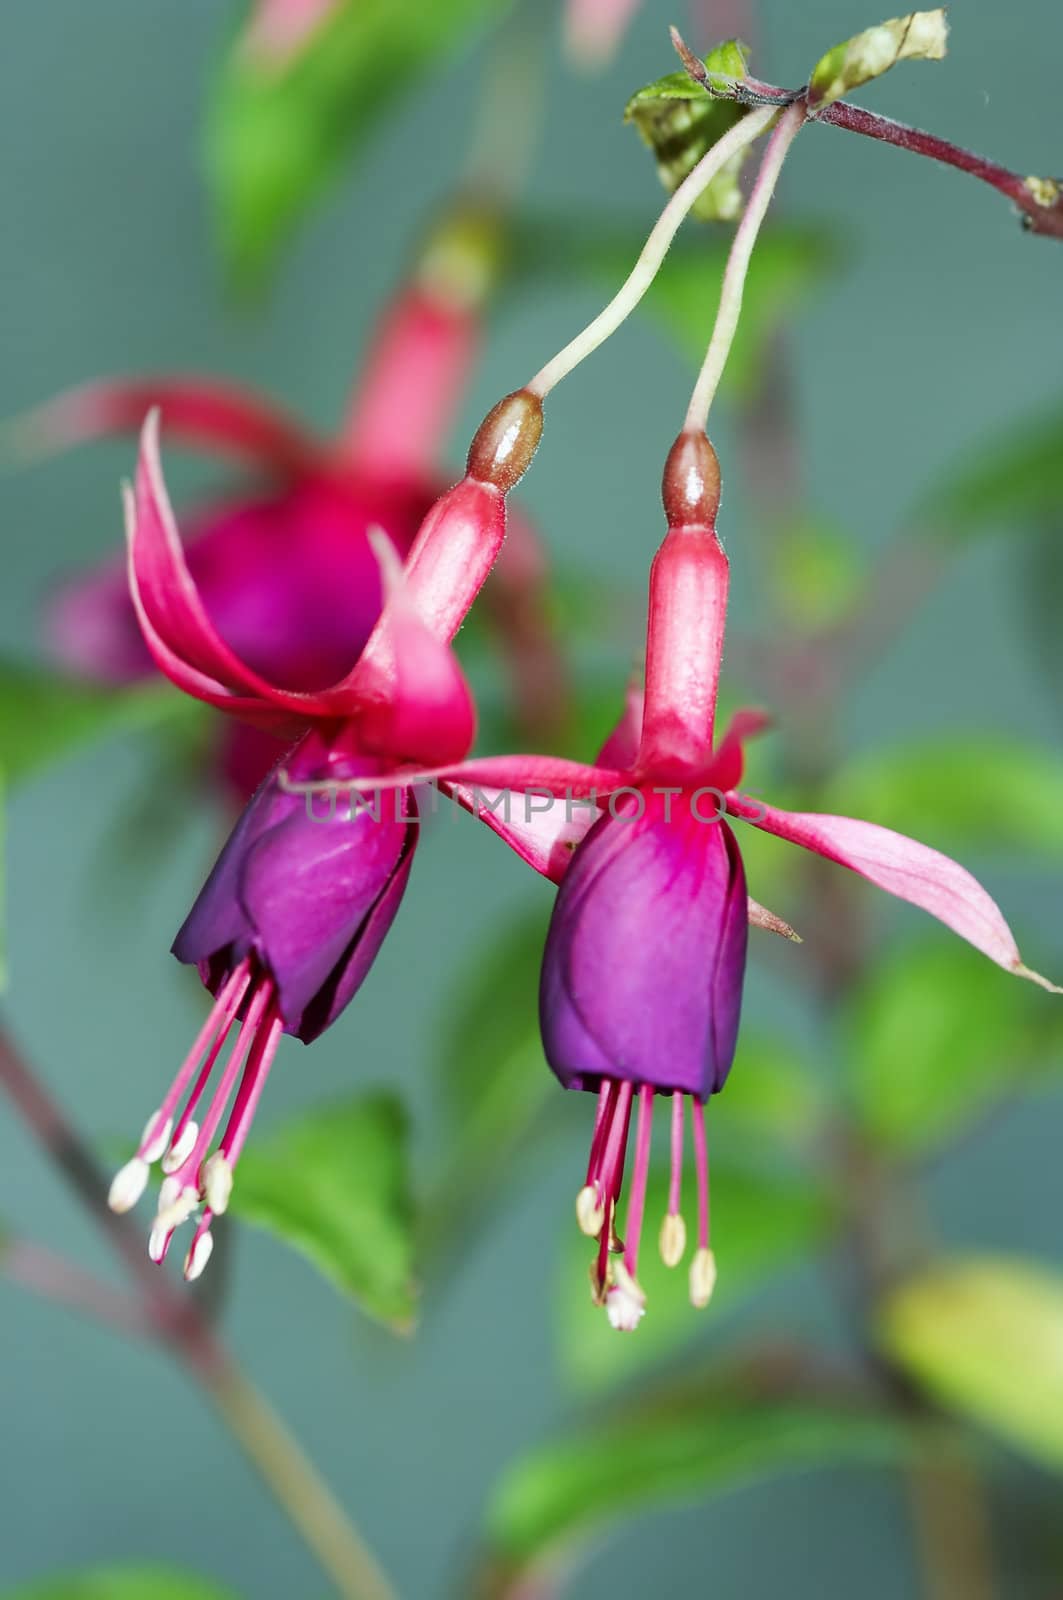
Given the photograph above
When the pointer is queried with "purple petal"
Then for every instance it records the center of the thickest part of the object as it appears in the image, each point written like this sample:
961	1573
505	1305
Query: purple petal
642	975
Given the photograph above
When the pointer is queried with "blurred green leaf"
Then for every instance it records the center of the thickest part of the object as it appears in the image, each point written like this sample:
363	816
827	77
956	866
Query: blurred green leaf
933	1036
1017	478
984	1336
917	36
494	1080
123	1583
335	1185
762	1219
680	120
788	265
1041	577
710	1442
277	134
960	790
816	574
45	716
771	1096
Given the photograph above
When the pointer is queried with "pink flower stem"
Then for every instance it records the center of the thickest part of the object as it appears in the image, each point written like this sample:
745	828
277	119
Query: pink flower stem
53	1277
701	1165
179	1323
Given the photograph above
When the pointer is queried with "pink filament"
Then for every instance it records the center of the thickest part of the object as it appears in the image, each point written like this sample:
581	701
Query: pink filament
637	1201
601	1129
701	1162
676	1181
260	1000
211	1034
252	1084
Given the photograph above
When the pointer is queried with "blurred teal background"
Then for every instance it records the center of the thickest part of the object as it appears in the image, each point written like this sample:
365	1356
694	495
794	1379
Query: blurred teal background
946	325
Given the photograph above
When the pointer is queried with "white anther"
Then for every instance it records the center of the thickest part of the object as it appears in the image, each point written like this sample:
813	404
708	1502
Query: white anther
198	1255
673	1239
217	1178
590	1213
702	1278
625	1303
155	1138
158	1240
182	1147
128	1185
176	1204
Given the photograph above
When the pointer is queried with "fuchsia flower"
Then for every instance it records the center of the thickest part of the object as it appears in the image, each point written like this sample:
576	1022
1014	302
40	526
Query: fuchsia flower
644	963
285	570
297	905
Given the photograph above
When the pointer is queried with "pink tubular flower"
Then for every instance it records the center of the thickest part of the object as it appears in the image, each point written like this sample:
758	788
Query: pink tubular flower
285	568
644	963
297	905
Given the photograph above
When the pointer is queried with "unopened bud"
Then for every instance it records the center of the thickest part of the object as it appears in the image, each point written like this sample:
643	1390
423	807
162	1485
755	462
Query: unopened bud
506	440
673	1240
702	1278
690	488
590	1213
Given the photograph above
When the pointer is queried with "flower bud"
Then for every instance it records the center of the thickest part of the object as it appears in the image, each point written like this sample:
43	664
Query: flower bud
690	487
506	440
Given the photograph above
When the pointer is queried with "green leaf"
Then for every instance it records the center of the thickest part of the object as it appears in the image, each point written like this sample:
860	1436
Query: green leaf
917	36
984	1337
789	264
336	1186
707	1442
680	120
495	1082
771	1097
934	1036
960	791
816	574
123	1583
1016	479
45	717
762	1220
277	135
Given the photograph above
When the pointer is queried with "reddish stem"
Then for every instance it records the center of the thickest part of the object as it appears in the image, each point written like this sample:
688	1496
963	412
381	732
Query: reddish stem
1043	215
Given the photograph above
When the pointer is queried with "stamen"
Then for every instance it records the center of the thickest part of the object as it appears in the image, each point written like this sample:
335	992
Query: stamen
128	1185
590	1212
223	1010
260	1060
159	1242
673	1239
637	1199
703	1266
200	1250
701	1164
217	1180
625	1303
156	1136
702	1278
673	1236
181	1148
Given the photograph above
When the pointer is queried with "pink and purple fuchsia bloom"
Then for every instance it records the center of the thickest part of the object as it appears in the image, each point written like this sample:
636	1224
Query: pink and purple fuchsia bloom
297	905
285	566
645	958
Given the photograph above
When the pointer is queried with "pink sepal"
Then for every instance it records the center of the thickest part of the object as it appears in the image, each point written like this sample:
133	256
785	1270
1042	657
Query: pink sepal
198	412
902	867
428	715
